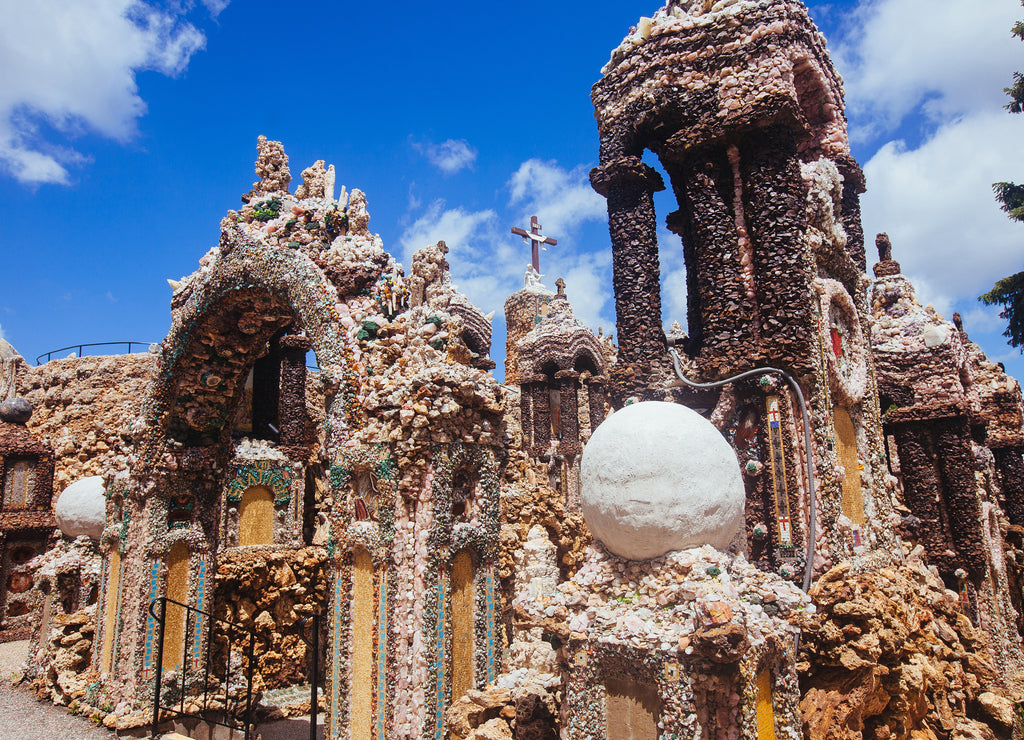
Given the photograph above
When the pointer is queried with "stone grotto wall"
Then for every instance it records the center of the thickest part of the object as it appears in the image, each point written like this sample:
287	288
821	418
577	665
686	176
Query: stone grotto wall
85	407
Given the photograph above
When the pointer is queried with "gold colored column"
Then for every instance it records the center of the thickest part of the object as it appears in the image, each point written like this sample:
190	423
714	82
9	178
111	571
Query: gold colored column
362	646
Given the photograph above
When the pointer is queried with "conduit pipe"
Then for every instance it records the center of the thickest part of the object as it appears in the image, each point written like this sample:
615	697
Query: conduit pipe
812	515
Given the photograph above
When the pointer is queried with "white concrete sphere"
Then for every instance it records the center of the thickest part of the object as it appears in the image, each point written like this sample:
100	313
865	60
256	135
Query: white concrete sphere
82	508
658	477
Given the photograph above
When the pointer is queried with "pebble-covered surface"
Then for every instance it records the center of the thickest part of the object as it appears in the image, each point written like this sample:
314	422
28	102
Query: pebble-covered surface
669	622
84	407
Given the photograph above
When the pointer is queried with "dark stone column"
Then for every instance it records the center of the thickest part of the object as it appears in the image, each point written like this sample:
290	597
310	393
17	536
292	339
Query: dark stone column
266	394
718	309
922	490
1010	465
629	185
595	399
292	410
853	186
773	193
538	389
569	443
937	467
526	414
955	455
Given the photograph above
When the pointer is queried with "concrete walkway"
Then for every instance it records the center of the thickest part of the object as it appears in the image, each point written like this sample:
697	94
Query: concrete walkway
23	717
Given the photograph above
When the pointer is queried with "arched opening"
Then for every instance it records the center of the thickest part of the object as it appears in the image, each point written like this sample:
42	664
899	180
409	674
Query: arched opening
463	655
361	690
256	517
364	495
177	590
464	484
554	399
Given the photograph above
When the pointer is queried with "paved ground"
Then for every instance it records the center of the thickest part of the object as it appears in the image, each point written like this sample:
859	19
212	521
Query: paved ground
22	717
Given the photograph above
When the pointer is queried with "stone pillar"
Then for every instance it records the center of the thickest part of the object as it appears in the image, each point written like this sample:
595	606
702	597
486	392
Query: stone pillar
266	393
955	454
292	410
1010	464
526	414
853	186
709	220
773	202
595	400
629	186
937	466
569	443
538	389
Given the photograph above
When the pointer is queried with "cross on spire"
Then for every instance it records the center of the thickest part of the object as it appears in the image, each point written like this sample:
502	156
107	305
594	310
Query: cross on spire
535	238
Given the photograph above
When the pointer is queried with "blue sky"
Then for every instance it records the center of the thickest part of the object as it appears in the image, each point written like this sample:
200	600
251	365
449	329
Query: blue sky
127	129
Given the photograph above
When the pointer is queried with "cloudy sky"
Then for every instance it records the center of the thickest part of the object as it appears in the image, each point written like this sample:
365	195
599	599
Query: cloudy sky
128	127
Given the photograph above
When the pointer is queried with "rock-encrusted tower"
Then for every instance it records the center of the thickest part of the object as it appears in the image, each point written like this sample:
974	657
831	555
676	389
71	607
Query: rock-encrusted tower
954	426
561	375
744	110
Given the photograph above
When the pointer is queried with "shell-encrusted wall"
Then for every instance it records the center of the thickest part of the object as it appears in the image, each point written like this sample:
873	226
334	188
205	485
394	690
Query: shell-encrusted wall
397	477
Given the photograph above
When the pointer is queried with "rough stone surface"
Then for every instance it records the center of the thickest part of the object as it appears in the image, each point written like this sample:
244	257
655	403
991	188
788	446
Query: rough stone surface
81	508
84	407
888	654
659	477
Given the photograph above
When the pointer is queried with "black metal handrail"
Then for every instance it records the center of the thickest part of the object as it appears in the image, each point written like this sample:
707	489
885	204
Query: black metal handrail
80	347
228	711
313	643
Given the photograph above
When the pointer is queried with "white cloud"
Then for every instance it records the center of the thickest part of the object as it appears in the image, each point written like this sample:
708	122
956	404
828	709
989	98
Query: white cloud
937	206
935	72
449	156
949	56
561	199
2	335
70	65
488	263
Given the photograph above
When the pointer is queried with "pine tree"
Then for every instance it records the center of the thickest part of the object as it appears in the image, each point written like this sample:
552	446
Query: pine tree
1009	292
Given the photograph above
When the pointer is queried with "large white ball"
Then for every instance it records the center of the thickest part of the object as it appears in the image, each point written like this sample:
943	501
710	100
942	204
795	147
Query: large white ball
658	477
81	508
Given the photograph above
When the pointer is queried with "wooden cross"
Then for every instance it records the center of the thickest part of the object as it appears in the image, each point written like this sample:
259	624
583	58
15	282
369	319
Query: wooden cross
536	238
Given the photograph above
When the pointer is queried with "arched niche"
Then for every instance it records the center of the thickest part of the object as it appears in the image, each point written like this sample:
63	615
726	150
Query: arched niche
363	484
256	517
248	297
465	481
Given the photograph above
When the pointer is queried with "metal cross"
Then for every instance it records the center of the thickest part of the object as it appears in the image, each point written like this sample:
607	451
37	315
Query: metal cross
535	238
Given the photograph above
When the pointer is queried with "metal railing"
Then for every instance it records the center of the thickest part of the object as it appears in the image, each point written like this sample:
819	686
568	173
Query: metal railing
80	347
200	688
313	643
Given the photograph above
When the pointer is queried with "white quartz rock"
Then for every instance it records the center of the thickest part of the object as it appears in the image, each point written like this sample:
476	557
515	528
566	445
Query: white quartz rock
658	477
81	508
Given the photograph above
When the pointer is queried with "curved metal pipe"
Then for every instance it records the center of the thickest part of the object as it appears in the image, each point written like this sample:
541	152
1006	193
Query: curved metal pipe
808	456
